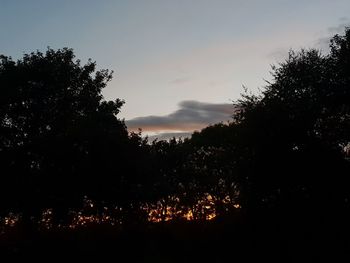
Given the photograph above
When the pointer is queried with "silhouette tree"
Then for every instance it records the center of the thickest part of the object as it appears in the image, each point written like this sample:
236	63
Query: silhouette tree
296	131
57	134
63	148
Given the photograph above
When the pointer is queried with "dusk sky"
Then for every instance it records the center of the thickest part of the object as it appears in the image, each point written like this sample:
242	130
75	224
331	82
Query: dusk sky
177	64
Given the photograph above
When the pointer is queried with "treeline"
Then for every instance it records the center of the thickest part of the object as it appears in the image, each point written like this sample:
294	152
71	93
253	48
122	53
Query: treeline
66	158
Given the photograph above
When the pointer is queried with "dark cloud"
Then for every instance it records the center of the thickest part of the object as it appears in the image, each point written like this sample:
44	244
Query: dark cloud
192	115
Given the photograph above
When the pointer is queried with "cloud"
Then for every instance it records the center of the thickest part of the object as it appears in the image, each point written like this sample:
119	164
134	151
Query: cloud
182	80
191	115
339	28
324	41
279	54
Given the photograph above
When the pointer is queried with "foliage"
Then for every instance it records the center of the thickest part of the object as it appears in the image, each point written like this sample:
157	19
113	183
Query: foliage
64	153
58	135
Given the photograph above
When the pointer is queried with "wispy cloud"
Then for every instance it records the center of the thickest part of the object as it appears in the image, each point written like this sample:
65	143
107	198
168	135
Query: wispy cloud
180	80
324	41
339	28
191	115
279	54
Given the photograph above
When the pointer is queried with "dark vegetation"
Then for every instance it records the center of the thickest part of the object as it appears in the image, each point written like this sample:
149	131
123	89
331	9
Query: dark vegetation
274	183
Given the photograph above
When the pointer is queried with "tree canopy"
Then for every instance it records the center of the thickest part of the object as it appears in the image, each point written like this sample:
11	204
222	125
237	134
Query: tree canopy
62	146
58	135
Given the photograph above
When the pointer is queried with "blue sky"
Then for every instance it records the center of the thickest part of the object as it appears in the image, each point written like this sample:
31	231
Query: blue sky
173	57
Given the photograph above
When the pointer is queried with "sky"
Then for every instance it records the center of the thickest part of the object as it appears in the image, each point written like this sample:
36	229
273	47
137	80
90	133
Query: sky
180	64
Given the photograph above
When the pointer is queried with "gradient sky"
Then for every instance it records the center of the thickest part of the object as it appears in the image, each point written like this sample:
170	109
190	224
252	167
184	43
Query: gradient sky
173	57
